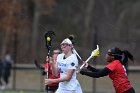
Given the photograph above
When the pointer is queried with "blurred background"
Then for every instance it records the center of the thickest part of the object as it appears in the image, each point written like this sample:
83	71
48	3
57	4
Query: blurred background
108	23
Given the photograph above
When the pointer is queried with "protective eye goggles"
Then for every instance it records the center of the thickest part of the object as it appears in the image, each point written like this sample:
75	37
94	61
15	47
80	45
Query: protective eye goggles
64	45
56	52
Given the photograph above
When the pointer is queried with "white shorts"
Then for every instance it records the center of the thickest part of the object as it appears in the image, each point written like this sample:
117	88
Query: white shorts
78	90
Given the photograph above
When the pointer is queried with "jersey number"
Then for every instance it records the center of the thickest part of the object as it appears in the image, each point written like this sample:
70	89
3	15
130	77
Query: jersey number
125	70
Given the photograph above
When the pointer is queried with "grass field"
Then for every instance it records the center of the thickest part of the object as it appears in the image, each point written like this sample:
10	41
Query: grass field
20	91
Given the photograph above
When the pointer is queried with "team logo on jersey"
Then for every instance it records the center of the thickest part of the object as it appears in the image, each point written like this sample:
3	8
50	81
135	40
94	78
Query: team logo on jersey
72	64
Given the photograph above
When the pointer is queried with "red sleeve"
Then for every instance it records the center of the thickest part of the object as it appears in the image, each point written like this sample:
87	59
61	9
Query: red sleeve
46	65
112	65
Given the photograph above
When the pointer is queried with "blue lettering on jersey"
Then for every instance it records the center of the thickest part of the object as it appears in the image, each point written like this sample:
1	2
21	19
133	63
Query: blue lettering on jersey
62	64
60	70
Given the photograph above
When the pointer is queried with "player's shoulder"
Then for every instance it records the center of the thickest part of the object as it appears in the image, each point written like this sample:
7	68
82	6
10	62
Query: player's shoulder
116	62
73	56
60	55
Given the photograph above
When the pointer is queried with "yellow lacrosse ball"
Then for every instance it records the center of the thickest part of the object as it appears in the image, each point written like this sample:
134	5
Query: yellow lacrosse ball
48	39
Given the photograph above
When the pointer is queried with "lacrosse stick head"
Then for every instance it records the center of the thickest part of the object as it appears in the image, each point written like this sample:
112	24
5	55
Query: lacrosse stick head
95	52
48	38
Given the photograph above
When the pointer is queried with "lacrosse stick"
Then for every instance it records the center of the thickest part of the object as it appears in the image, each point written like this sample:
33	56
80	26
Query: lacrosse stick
48	38
77	54
93	54
40	67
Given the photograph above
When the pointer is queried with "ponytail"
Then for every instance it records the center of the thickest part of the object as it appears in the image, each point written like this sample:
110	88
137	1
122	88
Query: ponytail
71	37
127	55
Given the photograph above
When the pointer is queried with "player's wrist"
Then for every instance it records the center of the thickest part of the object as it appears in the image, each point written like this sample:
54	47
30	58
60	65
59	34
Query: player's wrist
56	80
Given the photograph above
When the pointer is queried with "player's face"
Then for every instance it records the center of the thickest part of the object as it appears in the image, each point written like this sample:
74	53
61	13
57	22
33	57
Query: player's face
65	48
109	58
55	54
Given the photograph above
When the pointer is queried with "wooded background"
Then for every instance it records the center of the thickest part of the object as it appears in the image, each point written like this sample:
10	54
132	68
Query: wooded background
108	23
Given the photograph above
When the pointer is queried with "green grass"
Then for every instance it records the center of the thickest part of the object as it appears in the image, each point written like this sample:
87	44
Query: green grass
20	91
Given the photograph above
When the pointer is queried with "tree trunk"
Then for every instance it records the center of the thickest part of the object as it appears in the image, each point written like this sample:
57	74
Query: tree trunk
35	29
86	34
9	28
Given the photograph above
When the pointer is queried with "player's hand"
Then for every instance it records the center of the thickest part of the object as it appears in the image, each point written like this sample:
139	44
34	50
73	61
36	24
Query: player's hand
49	59
48	81
86	64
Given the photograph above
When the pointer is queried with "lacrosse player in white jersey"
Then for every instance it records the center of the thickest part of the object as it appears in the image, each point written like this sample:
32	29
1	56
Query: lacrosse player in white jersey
67	65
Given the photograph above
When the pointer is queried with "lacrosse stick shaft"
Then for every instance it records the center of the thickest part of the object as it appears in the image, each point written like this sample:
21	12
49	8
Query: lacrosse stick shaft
48	39
77	54
94	53
85	62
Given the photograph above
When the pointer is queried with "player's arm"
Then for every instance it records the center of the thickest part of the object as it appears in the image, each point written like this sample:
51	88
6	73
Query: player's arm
92	69
40	67
100	73
55	71
65	78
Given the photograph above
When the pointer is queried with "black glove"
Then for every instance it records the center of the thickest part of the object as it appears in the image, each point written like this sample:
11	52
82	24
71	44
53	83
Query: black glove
83	71
40	67
44	73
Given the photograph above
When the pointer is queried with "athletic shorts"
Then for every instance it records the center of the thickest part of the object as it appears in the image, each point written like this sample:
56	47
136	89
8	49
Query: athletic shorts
131	90
51	88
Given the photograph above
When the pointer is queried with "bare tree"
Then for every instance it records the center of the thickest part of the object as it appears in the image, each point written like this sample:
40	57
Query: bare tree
8	22
35	28
86	34
41	7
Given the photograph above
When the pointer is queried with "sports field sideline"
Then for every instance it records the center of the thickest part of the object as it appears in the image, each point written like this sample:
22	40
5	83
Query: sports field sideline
19	91
103	85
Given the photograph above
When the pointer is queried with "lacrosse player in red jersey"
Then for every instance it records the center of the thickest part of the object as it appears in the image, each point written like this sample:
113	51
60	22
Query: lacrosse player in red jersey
115	69
51	88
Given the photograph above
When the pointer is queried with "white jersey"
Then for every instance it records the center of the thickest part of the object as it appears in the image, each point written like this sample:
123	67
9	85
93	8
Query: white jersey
70	62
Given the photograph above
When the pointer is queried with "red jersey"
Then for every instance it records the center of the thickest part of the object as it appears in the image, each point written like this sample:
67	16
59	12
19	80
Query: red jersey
51	76
119	76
